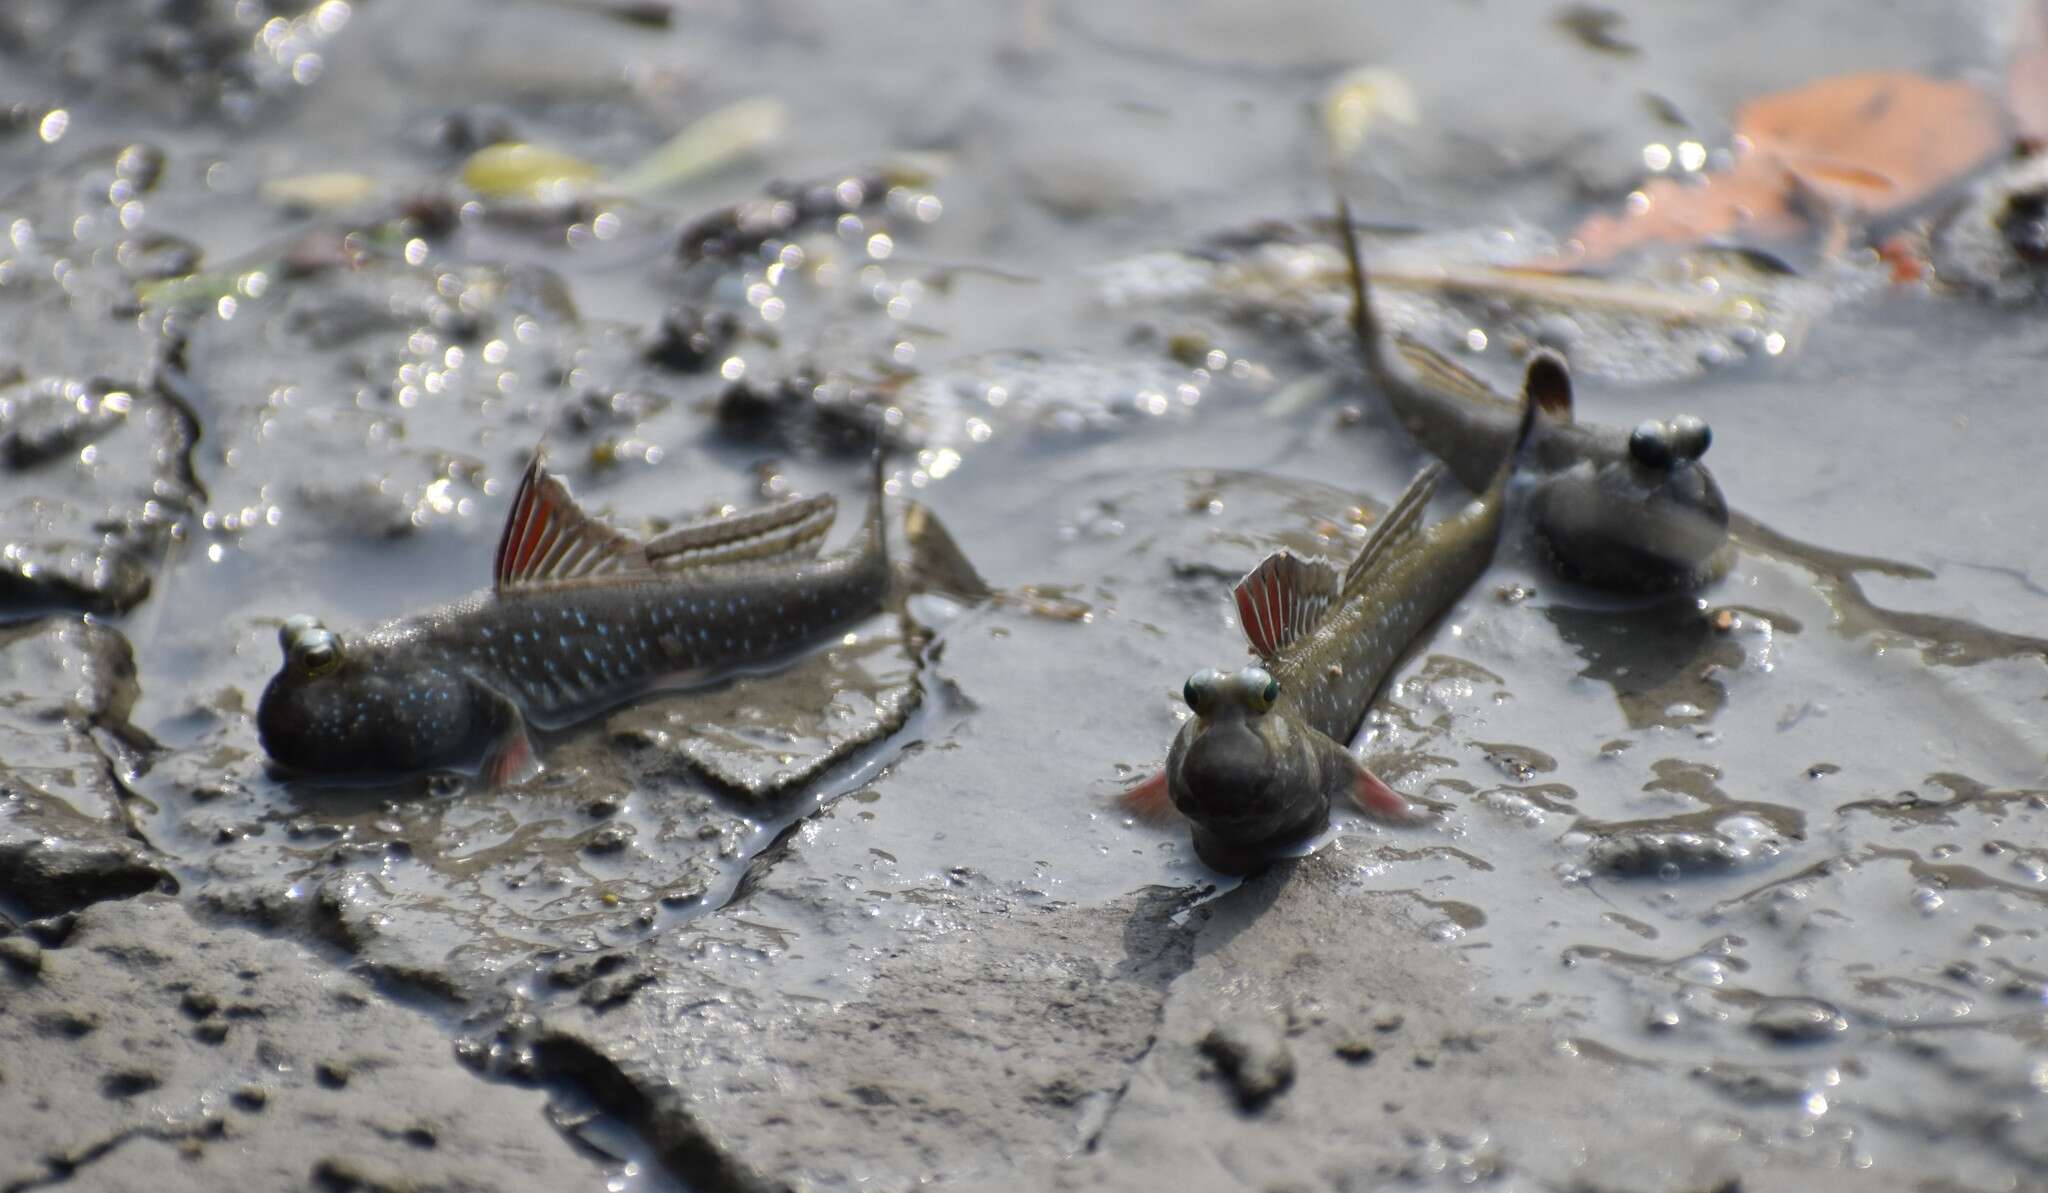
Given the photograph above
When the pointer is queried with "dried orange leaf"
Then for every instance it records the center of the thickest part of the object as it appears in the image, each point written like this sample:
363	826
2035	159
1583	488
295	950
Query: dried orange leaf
1912	134
1861	144
1755	196
2026	77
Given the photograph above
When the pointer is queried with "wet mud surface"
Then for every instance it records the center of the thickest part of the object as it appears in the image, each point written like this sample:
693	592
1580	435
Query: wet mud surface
1744	886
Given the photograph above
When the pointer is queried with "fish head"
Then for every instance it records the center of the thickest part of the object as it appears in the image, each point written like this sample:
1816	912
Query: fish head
1653	519
370	708
1238	769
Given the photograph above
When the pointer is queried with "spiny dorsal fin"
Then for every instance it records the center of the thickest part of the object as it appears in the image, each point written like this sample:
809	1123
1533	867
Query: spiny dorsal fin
1365	324
1548	384
794	527
1435	371
547	539
1402	520
1282	599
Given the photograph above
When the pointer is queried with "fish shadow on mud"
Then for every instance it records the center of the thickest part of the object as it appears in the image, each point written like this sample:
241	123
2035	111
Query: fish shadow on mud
1199	920
1656	658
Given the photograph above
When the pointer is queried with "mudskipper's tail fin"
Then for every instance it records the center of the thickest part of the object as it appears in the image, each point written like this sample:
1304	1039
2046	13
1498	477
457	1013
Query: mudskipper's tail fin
934	562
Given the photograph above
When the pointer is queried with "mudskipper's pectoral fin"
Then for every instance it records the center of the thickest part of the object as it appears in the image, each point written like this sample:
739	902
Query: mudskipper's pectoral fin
793	528
1401	522
512	760
548	539
1282	599
1149	800
1371	795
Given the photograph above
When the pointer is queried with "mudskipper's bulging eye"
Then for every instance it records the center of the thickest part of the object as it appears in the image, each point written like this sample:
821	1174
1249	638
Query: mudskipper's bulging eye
319	658
1200	690
1663	445
1259	688
1650	444
309	647
1690	436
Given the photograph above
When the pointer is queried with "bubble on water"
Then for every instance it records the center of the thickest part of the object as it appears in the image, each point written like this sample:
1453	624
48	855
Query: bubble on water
1702	971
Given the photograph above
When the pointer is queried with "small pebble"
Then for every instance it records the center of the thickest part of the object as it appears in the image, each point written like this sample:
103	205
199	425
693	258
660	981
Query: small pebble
1356	1051
1254	1061
1797	1020
21	955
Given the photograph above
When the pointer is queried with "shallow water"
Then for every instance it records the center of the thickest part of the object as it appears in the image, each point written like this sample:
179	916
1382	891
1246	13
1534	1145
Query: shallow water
1824	904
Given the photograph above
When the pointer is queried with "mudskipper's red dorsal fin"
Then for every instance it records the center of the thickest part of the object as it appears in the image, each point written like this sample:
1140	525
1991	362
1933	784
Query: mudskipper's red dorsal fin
548	539
1282	599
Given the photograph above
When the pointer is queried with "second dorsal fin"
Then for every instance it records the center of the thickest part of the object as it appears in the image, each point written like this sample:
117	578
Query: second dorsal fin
548	539
1438	372
1401	520
793	527
1282	599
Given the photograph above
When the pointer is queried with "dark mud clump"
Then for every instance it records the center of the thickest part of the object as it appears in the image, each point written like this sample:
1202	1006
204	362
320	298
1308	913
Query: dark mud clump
65	836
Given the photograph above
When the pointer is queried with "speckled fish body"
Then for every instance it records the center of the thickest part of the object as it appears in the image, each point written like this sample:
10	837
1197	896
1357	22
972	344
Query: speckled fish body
1266	752
581	619
1632	511
1328	679
561	653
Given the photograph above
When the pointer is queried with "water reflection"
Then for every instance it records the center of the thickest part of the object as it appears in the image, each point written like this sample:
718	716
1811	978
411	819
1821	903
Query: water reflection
1662	661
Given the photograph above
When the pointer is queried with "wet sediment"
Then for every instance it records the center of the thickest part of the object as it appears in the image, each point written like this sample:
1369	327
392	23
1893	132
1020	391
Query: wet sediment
1752	877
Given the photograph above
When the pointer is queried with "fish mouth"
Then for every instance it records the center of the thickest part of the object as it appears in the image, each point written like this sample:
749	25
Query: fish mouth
1248	812
1255	816
1609	531
1224	774
1237	844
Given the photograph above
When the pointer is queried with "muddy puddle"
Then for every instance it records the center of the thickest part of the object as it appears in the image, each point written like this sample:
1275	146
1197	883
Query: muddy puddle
1738	884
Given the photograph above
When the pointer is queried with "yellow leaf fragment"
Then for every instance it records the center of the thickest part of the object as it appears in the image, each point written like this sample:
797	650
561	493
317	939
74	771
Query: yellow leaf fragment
1358	100
327	191
708	144
517	170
